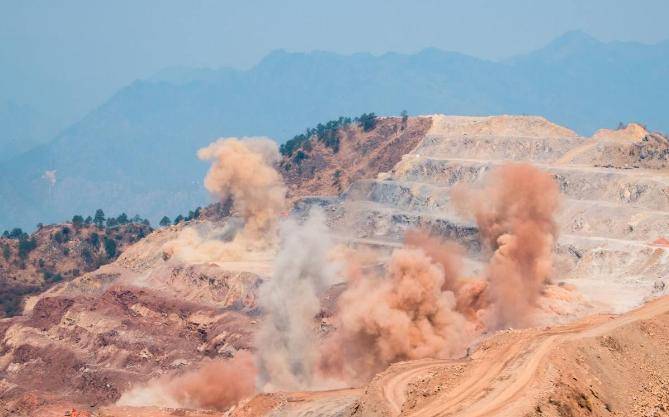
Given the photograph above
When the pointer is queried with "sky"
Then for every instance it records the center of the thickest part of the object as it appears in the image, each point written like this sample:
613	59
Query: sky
68	56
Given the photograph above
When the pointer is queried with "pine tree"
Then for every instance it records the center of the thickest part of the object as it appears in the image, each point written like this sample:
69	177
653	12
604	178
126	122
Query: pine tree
99	218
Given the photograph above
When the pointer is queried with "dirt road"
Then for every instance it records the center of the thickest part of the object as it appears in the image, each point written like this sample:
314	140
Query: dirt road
497	380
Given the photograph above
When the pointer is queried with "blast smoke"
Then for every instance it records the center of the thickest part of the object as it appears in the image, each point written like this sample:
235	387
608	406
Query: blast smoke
515	215
423	307
446	254
242	169
287	344
449	255
215	385
406	315
419	306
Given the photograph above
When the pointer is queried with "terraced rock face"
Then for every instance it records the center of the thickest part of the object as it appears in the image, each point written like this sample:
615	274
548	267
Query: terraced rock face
613	215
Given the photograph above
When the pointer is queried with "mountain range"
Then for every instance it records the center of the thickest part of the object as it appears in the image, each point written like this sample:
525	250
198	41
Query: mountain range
136	152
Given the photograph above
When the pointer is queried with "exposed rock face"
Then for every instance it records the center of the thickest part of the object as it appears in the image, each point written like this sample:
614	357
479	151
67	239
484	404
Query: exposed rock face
610	215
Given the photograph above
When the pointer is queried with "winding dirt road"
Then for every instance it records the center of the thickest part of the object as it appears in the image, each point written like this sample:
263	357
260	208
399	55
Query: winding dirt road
498	380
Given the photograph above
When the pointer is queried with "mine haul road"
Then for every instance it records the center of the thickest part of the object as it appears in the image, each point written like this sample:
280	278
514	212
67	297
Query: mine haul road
494	385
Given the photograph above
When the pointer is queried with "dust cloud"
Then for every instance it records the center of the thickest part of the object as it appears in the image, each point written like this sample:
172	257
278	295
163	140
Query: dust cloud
215	385
415	304
403	315
423	306
242	169
287	343
515	215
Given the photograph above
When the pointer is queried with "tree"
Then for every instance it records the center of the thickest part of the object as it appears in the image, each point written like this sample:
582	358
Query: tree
88	220
405	117
178	219
111	222
26	246
99	218
16	233
77	220
122	218
367	121
110	247
192	215
94	239
165	221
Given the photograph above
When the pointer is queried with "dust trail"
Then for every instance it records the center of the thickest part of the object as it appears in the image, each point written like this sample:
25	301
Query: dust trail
215	385
287	340
515	214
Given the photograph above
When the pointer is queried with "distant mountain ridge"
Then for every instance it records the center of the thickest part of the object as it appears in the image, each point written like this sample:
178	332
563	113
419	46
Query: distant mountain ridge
136	152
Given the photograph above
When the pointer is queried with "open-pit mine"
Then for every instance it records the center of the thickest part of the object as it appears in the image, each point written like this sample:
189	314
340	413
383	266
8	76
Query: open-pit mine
430	266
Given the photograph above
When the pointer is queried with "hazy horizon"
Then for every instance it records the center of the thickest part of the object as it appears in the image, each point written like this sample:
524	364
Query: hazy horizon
65	59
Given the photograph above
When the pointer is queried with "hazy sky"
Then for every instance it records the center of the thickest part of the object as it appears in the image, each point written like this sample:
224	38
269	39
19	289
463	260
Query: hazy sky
81	51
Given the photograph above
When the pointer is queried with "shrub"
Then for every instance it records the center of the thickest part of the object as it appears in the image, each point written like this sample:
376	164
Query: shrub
52	278
58	237
299	157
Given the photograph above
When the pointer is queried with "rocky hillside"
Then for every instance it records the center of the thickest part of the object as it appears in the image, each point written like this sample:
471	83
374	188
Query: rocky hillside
87	340
32	263
317	167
